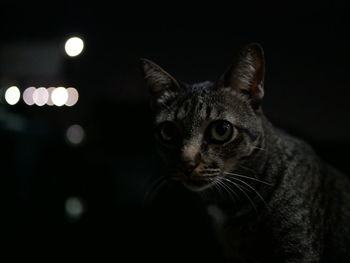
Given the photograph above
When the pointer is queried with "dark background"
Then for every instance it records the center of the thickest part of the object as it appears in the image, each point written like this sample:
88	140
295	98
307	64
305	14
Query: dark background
307	93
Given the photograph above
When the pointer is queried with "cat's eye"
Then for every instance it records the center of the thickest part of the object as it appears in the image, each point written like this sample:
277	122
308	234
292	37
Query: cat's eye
168	132
220	131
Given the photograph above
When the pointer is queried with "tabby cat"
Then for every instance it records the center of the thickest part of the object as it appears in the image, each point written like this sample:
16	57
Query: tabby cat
274	199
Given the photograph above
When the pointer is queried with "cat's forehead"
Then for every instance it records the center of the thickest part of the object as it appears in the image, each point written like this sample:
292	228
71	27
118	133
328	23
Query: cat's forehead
198	103
201	87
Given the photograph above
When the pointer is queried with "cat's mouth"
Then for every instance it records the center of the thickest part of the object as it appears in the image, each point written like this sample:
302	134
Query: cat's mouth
197	180
199	183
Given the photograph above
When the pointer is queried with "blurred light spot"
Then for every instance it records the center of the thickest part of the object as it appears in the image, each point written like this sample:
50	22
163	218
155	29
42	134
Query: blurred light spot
12	95
74	208
28	95
74	46
75	134
73	96
40	96
59	96
49	100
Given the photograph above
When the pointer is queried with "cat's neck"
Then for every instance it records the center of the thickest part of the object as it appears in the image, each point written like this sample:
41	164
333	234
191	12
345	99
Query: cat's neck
278	147
268	165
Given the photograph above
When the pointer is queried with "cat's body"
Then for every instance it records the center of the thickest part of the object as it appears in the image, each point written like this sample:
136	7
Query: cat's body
306	217
280	202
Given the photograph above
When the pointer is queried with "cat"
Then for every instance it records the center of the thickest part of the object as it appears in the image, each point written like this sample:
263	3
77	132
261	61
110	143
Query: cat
274	199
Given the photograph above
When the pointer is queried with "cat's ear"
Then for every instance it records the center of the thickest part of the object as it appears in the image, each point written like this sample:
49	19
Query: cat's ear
160	83
247	74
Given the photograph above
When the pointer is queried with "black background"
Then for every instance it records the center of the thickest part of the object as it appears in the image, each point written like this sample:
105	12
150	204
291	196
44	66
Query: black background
307	93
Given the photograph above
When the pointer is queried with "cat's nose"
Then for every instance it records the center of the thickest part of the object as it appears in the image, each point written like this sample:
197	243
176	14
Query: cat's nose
188	166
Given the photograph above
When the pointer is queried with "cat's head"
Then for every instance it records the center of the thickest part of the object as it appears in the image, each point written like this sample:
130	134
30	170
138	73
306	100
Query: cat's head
208	129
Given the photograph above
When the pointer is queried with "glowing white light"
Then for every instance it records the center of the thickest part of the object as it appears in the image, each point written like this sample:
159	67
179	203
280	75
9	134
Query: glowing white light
75	134
40	96
28	96
59	96
73	96
74	46
74	208
12	95
49	100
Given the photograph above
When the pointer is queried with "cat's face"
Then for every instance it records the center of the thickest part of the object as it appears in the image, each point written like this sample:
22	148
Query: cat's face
206	130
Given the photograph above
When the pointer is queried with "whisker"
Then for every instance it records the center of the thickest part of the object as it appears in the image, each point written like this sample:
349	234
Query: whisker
217	186
209	174
260	148
244	187
229	191
210	170
248	177
241	189
247	168
251	187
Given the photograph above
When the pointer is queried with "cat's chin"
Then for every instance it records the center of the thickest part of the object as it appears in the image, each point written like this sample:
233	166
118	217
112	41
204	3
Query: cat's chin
197	185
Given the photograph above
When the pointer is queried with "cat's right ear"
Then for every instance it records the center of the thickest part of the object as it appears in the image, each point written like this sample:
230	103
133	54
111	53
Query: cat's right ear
161	85
246	75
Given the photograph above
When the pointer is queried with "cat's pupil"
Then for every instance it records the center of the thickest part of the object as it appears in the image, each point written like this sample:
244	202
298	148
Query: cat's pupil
169	131
220	131
222	128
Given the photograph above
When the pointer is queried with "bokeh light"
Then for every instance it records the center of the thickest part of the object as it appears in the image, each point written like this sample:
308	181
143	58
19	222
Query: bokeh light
74	208
40	96
75	134
73	97
28	95
49	101
74	46
12	95
59	96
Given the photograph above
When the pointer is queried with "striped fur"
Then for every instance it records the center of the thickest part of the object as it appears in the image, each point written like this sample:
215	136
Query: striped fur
295	209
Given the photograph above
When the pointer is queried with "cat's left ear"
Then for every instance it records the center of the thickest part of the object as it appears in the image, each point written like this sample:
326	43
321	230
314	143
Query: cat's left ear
160	83
247	74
